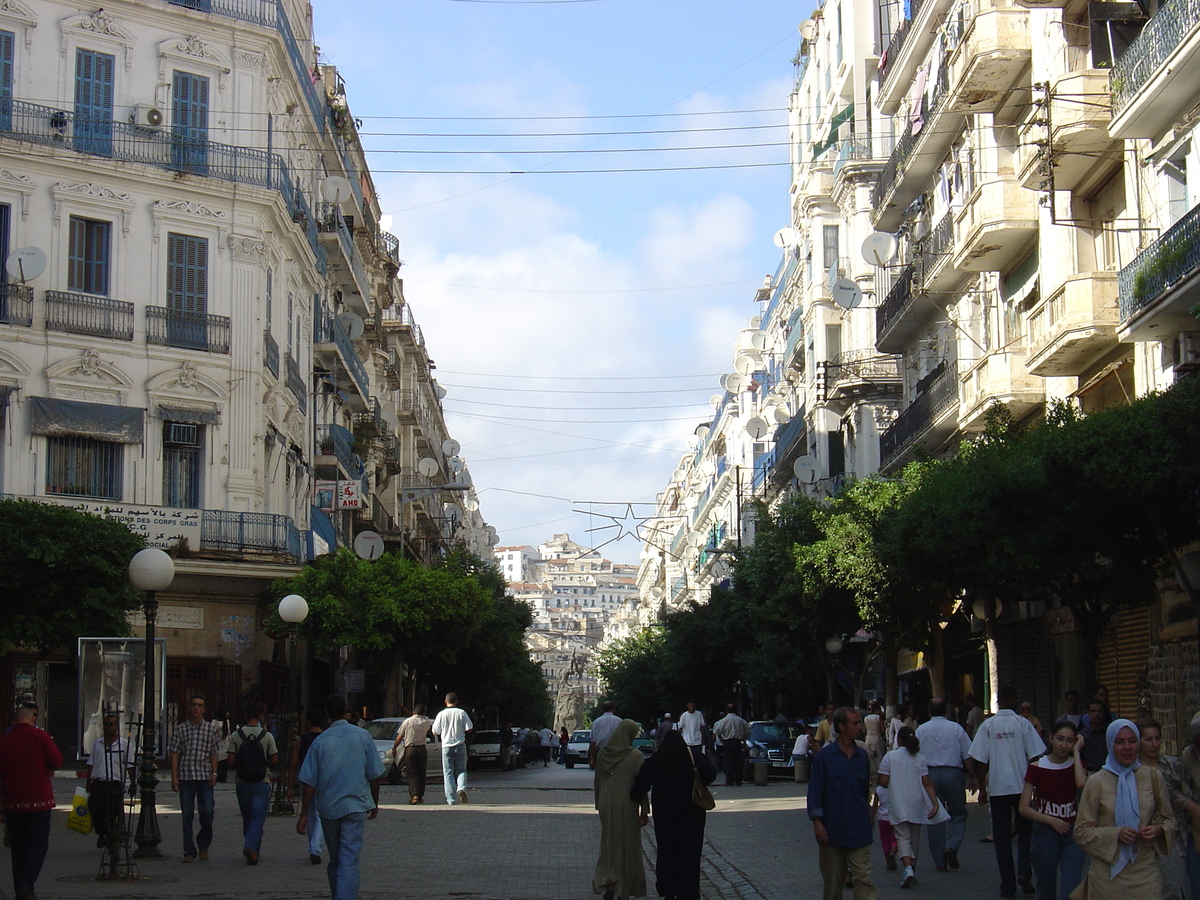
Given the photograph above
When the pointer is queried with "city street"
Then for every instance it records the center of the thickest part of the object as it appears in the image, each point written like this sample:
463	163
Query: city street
531	833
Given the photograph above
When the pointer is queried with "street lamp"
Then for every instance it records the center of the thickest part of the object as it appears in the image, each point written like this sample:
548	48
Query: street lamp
150	570
293	609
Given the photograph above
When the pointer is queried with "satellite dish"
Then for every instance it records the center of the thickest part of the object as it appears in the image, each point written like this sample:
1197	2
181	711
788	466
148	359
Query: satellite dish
453	511
756	321
756	427
807	29
715	400
463	477
746	363
696	538
782	415
451	447
353	324
471	505
335	189
734	383
368	545
846	293
701	430
455	464
785	237
440	391
427	466
25	264
805	470
879	248
758	340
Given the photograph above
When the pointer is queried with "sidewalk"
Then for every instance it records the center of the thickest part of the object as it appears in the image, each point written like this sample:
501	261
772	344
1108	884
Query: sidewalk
527	834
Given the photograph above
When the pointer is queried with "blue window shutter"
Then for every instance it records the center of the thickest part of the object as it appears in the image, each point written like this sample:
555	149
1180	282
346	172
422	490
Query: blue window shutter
88	256
7	46
93	101
187	274
189	121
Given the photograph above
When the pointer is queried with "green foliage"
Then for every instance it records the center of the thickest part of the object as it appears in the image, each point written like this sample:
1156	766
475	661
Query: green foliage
66	575
630	670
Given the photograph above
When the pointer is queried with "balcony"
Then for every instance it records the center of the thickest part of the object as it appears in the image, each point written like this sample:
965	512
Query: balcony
904	309
918	153
861	375
271	353
189	331
999	377
934	254
1074	326
860	156
991	56
995	226
333	343
244	533
1081	150
1154	80
89	314
927	422
296	382
1162	283
335	450
16	304
389	248
907	49
401	320
337	239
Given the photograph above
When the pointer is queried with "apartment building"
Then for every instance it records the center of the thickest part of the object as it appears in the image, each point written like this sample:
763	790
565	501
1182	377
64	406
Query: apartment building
190	330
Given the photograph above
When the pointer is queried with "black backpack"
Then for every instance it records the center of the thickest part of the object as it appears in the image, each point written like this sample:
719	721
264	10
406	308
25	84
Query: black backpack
251	758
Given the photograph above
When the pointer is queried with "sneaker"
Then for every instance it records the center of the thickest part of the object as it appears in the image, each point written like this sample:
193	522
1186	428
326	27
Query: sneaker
462	796
1026	884
909	879
413	801
890	858
204	853
952	858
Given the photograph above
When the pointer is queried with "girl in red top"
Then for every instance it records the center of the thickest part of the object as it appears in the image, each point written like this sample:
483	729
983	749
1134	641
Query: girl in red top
1052	786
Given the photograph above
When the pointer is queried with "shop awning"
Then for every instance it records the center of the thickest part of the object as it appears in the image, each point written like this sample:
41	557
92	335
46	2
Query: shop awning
188	415
105	422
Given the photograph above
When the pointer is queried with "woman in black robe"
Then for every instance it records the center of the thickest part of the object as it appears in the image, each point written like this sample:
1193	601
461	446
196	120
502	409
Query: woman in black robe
678	822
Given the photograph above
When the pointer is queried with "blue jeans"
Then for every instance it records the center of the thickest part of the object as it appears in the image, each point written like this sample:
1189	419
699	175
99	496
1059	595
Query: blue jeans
1193	863
344	837
191	795
253	801
1003	808
1053	855
454	771
316	835
29	834
951	786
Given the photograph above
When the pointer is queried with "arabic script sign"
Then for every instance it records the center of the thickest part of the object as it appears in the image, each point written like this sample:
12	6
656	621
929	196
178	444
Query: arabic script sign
160	526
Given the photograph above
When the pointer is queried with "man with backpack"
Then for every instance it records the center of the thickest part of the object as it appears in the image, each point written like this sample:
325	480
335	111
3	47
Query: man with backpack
251	750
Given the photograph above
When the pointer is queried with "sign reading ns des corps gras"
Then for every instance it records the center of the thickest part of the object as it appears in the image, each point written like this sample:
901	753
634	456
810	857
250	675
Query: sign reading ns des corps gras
159	526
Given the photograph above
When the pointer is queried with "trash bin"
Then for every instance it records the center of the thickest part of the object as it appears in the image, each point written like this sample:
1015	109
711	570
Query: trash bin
802	766
762	772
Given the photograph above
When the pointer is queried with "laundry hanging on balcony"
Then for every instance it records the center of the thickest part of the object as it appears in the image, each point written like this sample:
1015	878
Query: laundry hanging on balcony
835	124
120	424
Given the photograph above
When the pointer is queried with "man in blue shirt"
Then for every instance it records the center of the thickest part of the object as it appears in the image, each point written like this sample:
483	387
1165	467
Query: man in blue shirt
342	770
839	786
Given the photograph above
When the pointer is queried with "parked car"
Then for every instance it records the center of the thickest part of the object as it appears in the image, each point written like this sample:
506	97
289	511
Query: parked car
483	748
645	744
773	742
577	749
383	733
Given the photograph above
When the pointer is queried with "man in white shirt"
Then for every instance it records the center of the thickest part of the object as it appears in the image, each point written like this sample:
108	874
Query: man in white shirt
452	725
945	746
111	759
691	725
602	730
546	738
1003	747
732	731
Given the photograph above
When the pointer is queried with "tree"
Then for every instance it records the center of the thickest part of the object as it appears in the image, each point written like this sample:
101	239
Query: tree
66	575
629	672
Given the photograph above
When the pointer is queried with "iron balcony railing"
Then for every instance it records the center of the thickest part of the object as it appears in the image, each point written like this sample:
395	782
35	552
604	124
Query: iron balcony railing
788	436
863	147
899	38
330	330
192	331
389	247
250	533
894	167
373	418
334	440
862	365
896	301
918	418
16	304
333	222
1167	261
1132	70
89	314
403	317
295	381
938	242
271	352
257	12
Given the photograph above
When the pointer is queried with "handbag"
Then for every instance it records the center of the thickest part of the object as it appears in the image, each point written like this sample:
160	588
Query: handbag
80	818
701	795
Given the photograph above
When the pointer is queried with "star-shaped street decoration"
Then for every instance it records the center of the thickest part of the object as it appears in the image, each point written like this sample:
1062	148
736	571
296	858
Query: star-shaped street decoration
627	523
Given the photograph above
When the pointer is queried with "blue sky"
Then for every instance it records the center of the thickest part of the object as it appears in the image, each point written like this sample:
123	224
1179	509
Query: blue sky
579	322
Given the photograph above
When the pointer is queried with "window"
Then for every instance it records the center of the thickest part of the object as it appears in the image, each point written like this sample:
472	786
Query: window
830	233
189	122
187	291
182	451
93	102
88	256
84	467
6	79
270	283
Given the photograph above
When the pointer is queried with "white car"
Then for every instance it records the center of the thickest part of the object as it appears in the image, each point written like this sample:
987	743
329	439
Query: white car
383	733
577	749
483	749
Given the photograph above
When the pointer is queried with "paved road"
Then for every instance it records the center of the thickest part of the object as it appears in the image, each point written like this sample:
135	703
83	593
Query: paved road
528	834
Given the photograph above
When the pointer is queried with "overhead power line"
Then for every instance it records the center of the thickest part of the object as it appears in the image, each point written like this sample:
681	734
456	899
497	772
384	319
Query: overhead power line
656	115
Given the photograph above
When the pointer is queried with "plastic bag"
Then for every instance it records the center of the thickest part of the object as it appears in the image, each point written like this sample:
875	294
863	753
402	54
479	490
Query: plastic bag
80	818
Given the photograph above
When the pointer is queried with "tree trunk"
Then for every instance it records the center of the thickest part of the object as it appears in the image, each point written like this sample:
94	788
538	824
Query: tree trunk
891	681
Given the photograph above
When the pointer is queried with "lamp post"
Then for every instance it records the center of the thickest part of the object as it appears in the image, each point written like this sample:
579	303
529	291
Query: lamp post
293	609
150	570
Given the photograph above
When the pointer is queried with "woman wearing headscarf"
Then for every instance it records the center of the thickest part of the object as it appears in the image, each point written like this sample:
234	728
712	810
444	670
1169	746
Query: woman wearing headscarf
678	821
1125	822
620	872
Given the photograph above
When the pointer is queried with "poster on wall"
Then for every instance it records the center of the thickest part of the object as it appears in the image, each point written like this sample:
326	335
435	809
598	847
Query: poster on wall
326	498
112	679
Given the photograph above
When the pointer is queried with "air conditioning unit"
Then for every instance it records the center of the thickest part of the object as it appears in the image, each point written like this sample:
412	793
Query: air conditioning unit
146	116
1186	351
182	435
